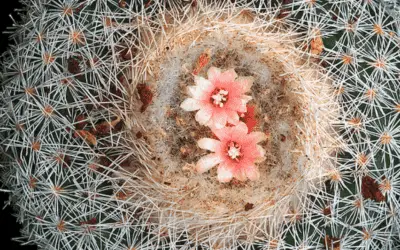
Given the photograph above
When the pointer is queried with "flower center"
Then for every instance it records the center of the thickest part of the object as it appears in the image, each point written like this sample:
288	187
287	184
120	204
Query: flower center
234	151
219	97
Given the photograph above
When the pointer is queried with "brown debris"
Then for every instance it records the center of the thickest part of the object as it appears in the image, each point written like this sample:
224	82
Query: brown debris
332	243
139	135
89	223
248	206
317	45
149	2
327	211
145	96
87	136
73	66
80	122
122	3
105	127
370	189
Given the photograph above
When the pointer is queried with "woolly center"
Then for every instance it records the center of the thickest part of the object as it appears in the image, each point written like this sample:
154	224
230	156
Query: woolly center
219	97
234	151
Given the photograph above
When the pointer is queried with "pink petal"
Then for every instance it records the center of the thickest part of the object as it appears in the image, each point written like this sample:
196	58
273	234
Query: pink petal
249	143
190	104
228	76
236	104
257	137
203	116
222	134
240	131
245	83
209	144
213	73
219	119
250	153
224	173
207	162
252	173
233	117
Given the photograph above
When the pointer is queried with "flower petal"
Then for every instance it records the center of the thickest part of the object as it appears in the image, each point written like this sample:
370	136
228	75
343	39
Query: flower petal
203	116
222	134
262	153
203	84
213	73
236	104
207	162
233	117
224	173
209	144
252	173
195	92
257	137
246	98
228	76
219	119
190	104
240	130
245	83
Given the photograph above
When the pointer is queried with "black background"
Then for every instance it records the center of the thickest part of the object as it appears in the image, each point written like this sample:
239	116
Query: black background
9	227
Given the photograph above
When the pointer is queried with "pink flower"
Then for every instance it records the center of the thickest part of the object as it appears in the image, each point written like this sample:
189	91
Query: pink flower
236	152
219	98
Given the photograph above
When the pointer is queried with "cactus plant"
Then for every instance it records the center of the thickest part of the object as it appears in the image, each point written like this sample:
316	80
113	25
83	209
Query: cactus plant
294	143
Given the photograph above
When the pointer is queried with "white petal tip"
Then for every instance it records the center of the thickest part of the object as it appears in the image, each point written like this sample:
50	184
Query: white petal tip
208	144
224	179
207	162
224	175
190	104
